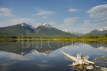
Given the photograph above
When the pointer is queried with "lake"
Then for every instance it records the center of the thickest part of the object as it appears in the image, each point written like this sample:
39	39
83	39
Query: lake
46	55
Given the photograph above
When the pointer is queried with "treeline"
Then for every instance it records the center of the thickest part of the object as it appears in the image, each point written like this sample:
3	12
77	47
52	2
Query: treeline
84	38
93	38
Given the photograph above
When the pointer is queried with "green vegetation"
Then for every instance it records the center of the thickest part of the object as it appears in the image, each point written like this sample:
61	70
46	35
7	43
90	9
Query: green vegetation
85	38
94	38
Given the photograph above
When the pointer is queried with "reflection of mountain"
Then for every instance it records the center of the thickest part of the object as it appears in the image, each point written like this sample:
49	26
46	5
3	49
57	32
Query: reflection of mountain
26	47
37	61
11	56
42	47
80	48
25	29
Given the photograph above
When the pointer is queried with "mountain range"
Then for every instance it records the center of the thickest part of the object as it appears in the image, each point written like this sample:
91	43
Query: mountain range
27	30
45	30
101	31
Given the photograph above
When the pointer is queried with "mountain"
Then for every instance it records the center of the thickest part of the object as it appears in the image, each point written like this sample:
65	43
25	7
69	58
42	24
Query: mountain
46	29
16	30
101	31
25	29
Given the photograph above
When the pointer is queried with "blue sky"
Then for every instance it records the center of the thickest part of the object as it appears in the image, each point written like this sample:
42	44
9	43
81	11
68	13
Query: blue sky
70	15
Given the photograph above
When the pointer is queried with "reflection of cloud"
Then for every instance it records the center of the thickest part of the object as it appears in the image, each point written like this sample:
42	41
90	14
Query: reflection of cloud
99	13
7	59
45	65
44	61
12	56
102	48
5	12
4	67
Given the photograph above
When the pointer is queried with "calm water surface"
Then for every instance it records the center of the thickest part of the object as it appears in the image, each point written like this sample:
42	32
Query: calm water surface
46	56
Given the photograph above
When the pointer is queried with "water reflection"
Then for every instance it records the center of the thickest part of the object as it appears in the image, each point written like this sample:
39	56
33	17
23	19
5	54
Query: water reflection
26	47
45	56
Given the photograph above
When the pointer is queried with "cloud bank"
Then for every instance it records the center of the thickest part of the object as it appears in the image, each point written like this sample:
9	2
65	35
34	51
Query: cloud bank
99	14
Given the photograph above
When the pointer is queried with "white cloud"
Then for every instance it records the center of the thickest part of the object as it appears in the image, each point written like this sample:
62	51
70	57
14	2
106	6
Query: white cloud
84	27
99	14
87	26
44	12
5	12
72	10
15	21
44	17
87	22
70	20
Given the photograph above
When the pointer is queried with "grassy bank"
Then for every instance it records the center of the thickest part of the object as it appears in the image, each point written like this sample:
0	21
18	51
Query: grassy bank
102	39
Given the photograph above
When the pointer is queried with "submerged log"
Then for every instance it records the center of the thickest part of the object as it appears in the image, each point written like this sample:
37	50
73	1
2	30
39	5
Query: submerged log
81	63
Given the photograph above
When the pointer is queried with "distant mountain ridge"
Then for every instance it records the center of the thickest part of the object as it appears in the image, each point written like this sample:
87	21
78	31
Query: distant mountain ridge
27	30
16	30
101	31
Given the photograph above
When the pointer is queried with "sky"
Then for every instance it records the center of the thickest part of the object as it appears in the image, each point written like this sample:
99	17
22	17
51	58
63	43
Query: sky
70	15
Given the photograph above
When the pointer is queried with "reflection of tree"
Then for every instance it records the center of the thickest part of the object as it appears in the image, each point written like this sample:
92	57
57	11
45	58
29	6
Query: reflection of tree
96	45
